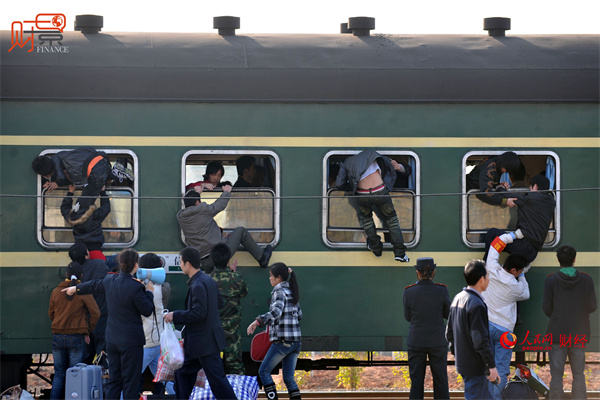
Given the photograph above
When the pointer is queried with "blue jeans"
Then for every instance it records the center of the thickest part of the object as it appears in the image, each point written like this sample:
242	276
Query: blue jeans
285	352
558	358
476	387
67	350
381	201
502	357
151	355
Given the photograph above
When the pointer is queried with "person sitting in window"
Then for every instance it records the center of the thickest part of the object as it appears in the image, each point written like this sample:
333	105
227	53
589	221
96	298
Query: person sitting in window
202	232
370	176
87	228
486	177
214	173
535	211
246	169
81	167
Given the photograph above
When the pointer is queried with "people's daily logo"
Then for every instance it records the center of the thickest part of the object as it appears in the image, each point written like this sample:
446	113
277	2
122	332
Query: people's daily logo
49	29
508	340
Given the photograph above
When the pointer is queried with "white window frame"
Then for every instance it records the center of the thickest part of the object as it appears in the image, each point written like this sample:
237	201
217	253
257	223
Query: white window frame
277	190
134	211
557	186
325	204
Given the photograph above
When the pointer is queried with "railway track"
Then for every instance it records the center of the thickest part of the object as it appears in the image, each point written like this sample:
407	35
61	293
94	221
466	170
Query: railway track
364	395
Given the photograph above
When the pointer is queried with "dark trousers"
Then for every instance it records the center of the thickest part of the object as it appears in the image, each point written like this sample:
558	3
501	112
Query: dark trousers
365	203
185	377
438	362
125	364
97	179
518	246
239	235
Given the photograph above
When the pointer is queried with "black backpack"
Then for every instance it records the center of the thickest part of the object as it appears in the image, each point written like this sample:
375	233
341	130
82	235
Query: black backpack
518	389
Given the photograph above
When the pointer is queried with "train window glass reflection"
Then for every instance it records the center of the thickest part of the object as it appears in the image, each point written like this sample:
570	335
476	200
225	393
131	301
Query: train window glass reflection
341	227
479	216
120	228
254	202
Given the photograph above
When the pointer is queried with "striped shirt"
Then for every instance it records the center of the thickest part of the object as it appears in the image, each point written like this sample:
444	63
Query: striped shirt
283	317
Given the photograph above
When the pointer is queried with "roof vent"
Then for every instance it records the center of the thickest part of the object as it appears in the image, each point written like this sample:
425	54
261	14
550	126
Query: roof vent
361	26
344	28
89	23
496	26
226	25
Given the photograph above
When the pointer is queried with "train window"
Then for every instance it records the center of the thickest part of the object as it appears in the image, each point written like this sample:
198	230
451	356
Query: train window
341	227
120	227
254	200
478	216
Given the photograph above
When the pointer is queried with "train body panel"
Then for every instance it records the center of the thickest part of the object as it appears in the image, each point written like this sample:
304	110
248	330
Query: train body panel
414	108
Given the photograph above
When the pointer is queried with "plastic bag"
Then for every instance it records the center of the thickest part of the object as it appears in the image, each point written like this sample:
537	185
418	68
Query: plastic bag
170	348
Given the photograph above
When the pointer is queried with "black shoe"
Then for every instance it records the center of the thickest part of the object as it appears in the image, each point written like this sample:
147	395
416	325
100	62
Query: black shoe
266	257
403	258
377	252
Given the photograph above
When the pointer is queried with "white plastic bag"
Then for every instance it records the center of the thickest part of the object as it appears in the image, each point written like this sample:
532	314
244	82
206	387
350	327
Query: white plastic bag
170	348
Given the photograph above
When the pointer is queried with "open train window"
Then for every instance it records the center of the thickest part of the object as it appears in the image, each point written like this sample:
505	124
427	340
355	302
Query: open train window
340	225
478	216
120	228
254	200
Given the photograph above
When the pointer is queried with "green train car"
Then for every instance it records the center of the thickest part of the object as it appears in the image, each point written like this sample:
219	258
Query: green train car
167	104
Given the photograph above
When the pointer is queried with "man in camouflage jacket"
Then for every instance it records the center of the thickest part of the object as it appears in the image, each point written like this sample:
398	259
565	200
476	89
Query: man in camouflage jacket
232	288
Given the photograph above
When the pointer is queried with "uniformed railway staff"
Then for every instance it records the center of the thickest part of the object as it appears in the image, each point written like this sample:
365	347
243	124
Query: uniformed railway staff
426	304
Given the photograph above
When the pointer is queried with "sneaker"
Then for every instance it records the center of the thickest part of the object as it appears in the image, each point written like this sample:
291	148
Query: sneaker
120	172
266	257
376	252
403	258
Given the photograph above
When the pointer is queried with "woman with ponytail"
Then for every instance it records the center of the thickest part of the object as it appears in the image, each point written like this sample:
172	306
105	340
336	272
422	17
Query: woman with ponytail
70	327
127	300
283	320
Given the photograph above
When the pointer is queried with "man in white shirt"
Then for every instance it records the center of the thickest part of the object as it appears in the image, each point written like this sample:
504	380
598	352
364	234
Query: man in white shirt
507	286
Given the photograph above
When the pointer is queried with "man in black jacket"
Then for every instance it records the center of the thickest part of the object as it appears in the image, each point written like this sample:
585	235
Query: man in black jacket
203	336
535	210
569	299
426	305
468	334
486	176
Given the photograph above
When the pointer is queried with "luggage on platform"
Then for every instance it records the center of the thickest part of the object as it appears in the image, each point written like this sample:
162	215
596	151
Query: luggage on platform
84	382
518	389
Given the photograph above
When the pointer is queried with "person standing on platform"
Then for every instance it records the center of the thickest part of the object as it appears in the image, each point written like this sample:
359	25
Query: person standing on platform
426	305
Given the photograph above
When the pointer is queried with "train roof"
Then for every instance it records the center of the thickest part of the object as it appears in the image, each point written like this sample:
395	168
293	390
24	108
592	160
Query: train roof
292	68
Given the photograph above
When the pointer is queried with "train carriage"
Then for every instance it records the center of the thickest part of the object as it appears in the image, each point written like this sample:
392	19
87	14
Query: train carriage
167	104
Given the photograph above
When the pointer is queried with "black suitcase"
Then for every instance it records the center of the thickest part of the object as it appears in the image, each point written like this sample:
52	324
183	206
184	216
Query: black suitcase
517	389
84	382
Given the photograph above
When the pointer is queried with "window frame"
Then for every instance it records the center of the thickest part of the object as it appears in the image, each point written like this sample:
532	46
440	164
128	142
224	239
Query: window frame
135	226
241	152
325	203
464	200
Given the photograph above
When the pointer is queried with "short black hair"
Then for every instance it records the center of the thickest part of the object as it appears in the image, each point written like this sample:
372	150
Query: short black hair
212	168
541	181
190	198
77	252
43	165
191	255
516	261
566	255
221	255
473	272
243	163
149	261
509	161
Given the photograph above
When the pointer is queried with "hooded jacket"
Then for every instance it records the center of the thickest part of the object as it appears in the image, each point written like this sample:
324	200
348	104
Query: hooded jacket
75	162
198	224
568	302
88	227
353	168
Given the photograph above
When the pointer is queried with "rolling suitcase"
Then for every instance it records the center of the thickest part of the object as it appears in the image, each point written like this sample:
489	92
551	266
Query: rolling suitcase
84	382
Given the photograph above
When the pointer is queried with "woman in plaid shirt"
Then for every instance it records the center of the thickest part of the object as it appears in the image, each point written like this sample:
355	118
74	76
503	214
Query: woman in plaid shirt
283	319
